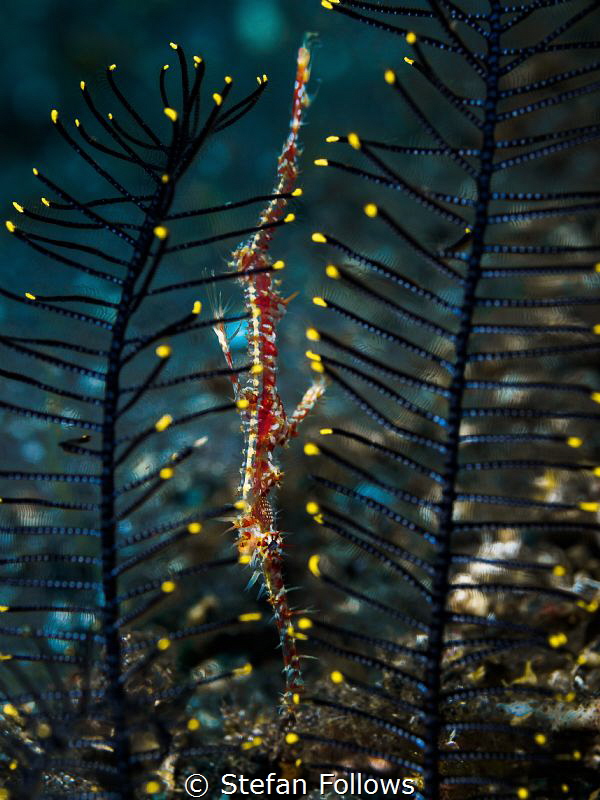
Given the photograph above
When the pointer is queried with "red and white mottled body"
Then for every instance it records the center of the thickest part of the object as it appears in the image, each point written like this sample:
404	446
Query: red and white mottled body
266	425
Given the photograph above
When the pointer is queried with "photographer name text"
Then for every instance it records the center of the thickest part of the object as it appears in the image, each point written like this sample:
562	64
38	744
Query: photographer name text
352	783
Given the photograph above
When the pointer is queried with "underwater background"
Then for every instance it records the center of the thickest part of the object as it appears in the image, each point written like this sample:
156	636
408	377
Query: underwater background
48	47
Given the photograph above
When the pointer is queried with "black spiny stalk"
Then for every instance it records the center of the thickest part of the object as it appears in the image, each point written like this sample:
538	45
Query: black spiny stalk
468	473
106	684
443	559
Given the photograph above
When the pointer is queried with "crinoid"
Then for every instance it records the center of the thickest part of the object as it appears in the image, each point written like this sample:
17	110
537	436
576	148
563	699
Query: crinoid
111	599
463	331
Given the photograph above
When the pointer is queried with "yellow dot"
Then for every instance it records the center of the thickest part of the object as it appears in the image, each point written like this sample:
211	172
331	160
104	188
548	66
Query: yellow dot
13	765
354	141
193	724
82	85
326	4
197	307
371	210
289	217
10	226
35	171
596	471
574	441
296	698
589	506
256	369
331	139
319	238
152	787
78	123
251	616
332	272
46	202
43	730
559	571
161	232
409	61
581	659
304	623
244	559
54	116
522	793
312	508
217	98
592	607
245	670
319	301
317	367
390	76
321	162
10	710
163	423
298	192
242	403
313	335
596	328
313	565
540	738
4	608
165	178
411	37
312	356
168	586
255	742
166	473
292	738
241	505
228	79
311	449
569	697
18	207
163	644
336	677
173	45
4	794
279	264
163	351
577	755
557	639
194	527
30	296
597	266
564	787
112	67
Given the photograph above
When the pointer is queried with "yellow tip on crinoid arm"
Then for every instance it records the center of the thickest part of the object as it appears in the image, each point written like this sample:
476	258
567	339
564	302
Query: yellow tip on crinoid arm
311	449
313	565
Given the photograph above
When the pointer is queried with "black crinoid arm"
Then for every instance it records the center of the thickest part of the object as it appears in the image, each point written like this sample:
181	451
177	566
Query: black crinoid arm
459	499
114	579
